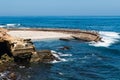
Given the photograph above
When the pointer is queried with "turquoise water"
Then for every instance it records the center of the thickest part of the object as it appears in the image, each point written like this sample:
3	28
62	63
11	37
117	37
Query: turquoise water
83	61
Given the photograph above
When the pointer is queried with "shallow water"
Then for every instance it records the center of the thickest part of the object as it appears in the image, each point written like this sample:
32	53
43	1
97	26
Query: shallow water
83	61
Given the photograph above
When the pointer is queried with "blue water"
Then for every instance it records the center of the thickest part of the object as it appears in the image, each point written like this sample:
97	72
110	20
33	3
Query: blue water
83	61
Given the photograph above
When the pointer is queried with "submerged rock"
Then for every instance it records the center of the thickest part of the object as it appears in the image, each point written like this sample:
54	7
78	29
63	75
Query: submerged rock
64	48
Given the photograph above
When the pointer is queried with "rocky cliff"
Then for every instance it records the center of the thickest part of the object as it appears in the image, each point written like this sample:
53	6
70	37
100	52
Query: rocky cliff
21	50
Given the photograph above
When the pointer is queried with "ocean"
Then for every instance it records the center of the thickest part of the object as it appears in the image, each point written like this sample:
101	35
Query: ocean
84	60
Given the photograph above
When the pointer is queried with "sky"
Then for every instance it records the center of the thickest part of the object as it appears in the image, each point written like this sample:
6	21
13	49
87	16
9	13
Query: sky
59	7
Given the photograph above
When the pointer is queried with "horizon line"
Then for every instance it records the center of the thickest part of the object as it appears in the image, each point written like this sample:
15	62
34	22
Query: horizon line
63	16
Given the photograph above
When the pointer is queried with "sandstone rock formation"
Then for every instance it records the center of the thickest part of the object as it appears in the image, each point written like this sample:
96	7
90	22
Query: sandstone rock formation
86	37
21	50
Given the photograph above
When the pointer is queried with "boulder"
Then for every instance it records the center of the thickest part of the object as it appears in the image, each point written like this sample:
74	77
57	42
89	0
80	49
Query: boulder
64	48
5	59
87	37
43	56
35	57
12	76
23	58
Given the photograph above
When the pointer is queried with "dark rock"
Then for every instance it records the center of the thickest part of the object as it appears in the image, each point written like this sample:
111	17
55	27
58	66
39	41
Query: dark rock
3	68
5	58
43	56
12	76
65	48
66	39
81	38
23	58
7	67
27	40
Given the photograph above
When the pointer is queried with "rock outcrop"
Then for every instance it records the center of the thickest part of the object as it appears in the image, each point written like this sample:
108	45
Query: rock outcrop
43	56
75	33
87	37
21	50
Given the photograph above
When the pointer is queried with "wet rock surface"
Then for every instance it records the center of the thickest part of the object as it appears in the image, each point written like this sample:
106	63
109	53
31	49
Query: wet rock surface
7	72
43	56
66	39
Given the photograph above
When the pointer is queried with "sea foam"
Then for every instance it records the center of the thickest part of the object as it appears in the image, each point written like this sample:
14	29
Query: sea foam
54	53
12	25
108	38
2	26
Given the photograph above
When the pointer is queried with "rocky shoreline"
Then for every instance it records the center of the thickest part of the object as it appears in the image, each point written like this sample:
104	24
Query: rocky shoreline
22	50
16	50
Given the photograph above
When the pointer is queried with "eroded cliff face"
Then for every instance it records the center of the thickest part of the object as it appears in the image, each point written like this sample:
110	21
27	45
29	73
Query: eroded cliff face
21	50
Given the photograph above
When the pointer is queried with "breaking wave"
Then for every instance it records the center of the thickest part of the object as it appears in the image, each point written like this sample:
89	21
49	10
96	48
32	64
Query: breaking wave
2	26
56	54
10	25
64	55
3	75
108	38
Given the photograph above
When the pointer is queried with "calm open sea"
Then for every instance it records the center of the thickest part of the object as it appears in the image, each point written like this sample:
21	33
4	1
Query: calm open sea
83	61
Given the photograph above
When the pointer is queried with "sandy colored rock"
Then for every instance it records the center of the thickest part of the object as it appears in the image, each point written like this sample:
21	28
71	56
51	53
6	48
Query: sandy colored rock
12	76
47	33
43	56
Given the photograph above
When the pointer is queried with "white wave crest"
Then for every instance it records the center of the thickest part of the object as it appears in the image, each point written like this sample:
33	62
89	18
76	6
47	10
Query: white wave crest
2	26
4	75
12	25
61	54
9	25
108	38
57	56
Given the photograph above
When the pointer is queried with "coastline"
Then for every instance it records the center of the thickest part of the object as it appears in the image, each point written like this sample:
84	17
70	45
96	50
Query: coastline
18	42
38	35
52	33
